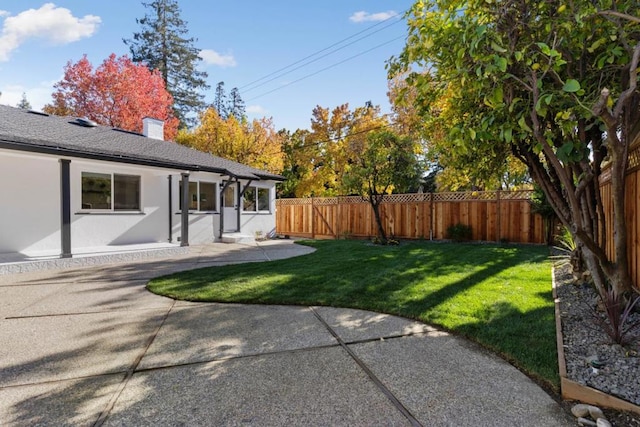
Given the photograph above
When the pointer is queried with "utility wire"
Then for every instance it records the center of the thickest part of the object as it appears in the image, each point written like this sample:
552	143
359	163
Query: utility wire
277	75
327	48
326	68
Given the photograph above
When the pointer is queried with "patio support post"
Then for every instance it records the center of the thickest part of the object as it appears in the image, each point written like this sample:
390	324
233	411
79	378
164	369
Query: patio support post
184	213
239	204
170	179
65	208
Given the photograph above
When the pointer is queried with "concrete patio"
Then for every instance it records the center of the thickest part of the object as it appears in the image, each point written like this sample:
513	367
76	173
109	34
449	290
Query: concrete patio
90	346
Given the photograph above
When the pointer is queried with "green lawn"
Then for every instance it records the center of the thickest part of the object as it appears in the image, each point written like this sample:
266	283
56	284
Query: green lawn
497	295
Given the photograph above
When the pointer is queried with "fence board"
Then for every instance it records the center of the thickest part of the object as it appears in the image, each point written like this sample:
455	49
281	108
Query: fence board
492	216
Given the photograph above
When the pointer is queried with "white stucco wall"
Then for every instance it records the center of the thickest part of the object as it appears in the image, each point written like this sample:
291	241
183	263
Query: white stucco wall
29	205
120	228
205	227
261	224
30	217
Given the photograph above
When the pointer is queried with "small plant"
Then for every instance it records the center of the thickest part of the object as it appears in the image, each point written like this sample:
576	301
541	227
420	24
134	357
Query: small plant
570	254
459	232
618	311
346	235
388	242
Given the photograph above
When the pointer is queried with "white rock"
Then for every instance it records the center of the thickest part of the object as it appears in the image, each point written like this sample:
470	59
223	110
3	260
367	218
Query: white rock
580	410
603	422
595	412
586	422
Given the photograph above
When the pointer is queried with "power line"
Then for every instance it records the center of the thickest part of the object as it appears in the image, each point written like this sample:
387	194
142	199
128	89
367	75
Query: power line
326	68
277	76
328	47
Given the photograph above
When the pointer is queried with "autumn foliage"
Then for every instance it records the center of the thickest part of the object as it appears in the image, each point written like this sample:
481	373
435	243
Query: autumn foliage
253	143
118	93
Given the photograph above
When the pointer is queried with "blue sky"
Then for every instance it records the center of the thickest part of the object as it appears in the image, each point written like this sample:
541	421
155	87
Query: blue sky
241	43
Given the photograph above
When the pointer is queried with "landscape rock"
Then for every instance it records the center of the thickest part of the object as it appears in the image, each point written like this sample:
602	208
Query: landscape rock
595	412
580	410
586	422
603	422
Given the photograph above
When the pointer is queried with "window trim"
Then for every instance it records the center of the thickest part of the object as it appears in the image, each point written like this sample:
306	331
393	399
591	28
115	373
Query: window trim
257	204
216	192
112	209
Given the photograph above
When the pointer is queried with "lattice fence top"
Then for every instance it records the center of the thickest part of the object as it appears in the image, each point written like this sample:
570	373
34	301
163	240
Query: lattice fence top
320	201
292	202
634	158
459	196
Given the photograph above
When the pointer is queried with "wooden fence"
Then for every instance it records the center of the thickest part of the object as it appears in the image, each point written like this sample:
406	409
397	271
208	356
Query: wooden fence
492	215
632	207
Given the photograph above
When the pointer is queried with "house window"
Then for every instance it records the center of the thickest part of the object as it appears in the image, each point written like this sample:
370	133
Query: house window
103	191
202	196
256	200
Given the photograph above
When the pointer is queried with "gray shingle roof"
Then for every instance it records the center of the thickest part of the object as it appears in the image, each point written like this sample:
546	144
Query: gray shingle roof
29	131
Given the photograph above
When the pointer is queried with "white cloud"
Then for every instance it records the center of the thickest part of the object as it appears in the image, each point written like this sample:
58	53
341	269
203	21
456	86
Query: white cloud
363	16
211	57
54	24
38	96
4	13
257	110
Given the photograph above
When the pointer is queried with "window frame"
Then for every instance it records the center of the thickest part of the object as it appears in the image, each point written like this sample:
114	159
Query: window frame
198	194
256	201
112	193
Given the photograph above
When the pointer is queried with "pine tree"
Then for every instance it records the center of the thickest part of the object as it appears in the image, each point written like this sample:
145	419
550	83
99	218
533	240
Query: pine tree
24	102
220	101
162	44
236	106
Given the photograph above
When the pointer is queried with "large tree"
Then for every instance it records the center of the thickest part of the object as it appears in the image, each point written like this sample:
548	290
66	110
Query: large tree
381	163
117	93
254	143
163	45
24	102
552	81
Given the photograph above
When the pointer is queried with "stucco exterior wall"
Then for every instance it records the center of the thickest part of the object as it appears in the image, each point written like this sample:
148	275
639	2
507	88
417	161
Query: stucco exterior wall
120	228
29	205
261	224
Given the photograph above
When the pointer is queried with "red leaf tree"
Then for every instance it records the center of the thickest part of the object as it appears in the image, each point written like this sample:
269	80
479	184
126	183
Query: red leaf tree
118	93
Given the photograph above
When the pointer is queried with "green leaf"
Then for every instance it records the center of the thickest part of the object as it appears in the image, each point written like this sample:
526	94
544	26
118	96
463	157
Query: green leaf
498	96
497	47
544	48
472	133
501	63
571	86
518	55
523	124
508	135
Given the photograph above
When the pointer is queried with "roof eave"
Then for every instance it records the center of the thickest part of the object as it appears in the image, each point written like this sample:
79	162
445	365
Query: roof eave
33	147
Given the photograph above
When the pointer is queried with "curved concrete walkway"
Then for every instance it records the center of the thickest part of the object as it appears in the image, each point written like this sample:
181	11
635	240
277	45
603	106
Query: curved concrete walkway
92	347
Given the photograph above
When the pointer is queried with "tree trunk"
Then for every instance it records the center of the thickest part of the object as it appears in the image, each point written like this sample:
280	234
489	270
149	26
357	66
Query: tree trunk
375	201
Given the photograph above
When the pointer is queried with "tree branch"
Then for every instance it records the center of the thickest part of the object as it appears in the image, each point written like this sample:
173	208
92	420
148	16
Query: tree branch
619	15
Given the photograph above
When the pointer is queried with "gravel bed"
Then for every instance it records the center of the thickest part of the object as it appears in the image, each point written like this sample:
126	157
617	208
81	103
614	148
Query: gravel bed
591	357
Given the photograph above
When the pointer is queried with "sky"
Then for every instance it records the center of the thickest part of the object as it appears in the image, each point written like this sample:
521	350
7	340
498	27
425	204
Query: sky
285	56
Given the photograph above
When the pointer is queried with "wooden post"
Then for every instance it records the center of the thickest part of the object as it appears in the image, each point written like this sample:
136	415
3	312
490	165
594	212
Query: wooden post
431	219
313	213
498	222
337	218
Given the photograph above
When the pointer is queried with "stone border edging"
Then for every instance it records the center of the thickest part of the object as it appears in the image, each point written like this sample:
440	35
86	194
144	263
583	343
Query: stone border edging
571	390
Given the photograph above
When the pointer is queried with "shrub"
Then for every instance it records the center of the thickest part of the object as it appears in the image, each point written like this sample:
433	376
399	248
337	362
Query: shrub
459	232
618	312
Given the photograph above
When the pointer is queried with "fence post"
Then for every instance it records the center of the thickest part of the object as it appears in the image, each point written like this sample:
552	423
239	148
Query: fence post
498	221
313	214
338	231
431	219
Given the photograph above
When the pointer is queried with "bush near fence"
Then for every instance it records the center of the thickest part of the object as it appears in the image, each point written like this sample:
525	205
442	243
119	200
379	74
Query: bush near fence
501	216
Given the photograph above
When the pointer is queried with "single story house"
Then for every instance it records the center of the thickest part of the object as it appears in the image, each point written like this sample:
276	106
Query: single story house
67	184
